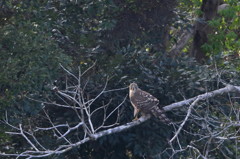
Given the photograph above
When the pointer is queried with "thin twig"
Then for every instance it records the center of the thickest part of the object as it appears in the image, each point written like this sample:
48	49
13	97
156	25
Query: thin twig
185	120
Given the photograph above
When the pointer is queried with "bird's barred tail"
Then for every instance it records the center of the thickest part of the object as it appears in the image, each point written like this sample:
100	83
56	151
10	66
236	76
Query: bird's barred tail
160	114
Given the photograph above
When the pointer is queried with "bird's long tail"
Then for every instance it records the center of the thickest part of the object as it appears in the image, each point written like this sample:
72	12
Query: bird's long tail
160	114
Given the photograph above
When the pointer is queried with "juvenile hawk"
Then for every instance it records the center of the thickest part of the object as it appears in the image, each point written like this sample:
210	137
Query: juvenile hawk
146	103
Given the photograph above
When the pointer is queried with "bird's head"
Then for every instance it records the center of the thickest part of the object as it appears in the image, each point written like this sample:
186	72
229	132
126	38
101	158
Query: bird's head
133	87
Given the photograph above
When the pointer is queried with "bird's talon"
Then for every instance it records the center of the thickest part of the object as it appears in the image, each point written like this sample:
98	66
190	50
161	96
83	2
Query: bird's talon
136	118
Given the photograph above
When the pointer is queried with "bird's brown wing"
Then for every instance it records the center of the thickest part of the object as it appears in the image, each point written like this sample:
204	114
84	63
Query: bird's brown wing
148	104
145	101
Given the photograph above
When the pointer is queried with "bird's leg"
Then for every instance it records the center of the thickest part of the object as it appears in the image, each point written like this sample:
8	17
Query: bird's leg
136	112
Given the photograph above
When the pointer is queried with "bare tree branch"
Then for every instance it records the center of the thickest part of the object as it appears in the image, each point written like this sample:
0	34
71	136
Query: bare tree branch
74	99
227	89
185	120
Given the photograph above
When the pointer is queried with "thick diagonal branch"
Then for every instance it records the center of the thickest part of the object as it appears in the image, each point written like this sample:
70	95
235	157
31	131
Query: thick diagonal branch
204	96
95	136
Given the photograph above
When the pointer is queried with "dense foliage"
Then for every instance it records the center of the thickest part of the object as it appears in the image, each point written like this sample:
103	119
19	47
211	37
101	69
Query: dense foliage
129	41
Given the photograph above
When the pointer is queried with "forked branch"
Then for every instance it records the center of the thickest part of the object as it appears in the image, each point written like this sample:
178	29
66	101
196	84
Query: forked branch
73	98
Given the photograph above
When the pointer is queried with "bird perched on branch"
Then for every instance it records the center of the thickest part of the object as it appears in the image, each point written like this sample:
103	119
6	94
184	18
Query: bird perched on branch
145	103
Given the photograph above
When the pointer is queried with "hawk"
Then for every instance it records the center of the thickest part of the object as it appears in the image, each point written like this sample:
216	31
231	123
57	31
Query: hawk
145	103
